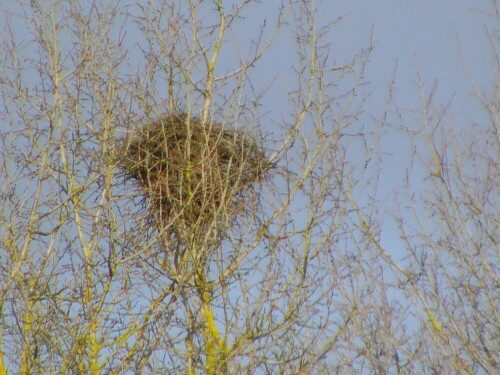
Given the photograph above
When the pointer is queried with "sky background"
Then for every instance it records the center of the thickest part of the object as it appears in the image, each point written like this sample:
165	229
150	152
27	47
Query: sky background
443	44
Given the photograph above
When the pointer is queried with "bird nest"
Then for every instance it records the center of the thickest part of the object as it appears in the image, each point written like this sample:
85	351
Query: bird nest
192	174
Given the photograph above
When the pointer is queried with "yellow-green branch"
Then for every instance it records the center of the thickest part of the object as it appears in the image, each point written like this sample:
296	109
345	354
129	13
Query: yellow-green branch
216	349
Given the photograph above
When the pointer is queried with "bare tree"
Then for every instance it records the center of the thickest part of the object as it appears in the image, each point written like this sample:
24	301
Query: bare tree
152	223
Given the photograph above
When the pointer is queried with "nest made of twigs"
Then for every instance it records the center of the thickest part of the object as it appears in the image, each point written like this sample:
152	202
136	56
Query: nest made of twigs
192	173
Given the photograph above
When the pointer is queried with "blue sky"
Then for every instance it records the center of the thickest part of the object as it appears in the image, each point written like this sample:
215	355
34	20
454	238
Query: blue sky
424	34
444	43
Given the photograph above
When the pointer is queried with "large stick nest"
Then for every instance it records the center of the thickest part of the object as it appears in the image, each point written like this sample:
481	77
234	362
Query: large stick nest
193	174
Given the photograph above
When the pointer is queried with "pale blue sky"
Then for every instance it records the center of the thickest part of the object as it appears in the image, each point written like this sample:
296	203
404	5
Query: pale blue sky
445	41
427	34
